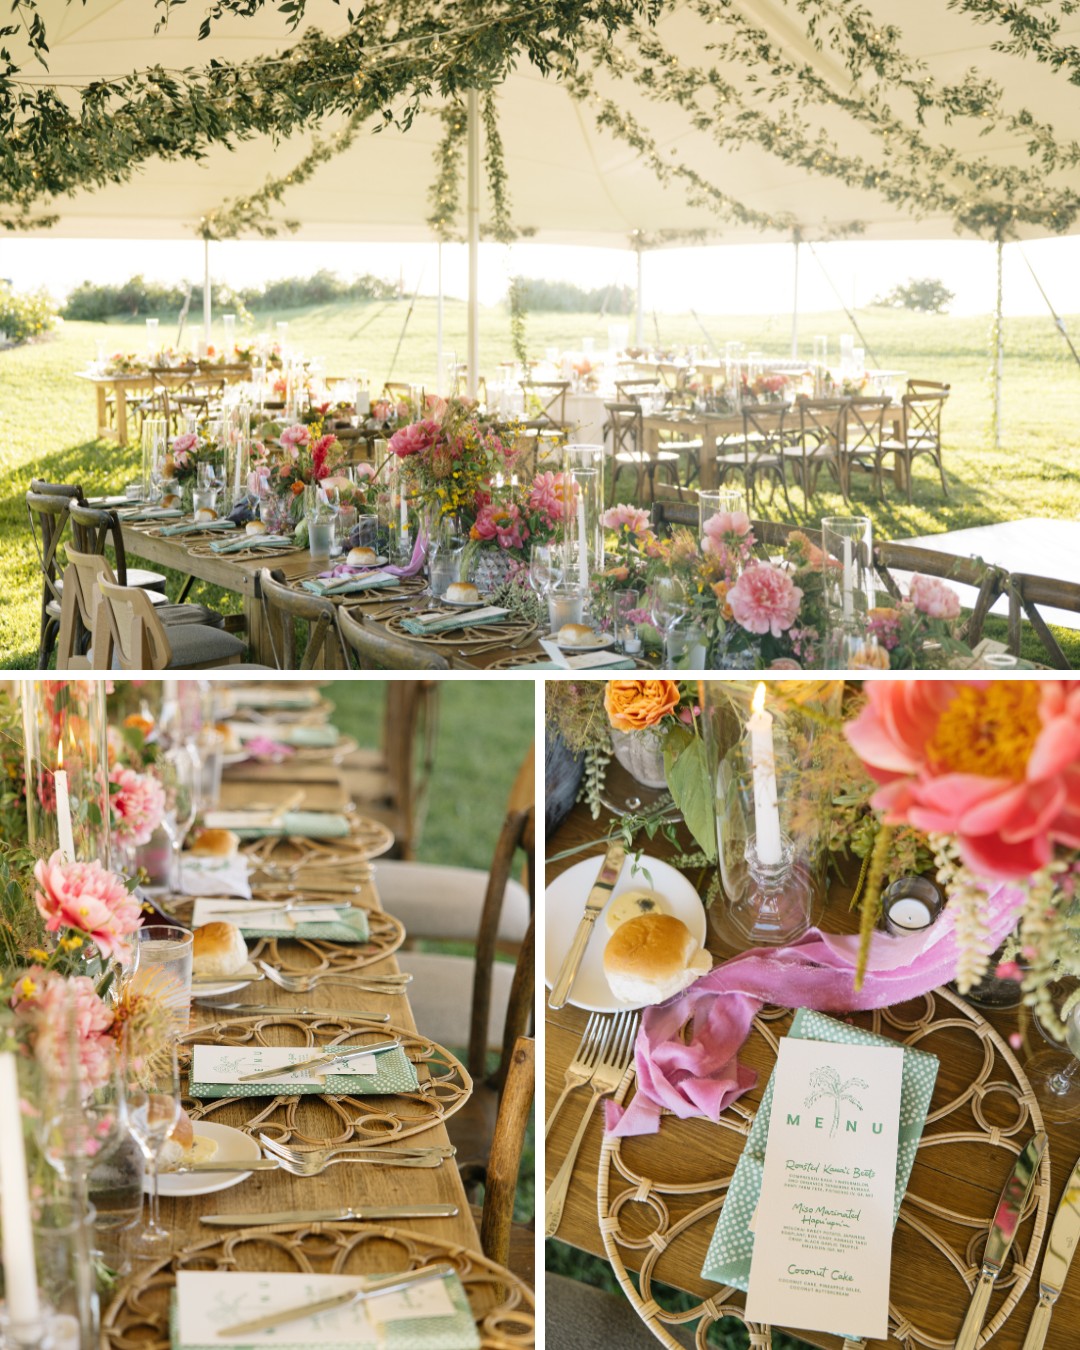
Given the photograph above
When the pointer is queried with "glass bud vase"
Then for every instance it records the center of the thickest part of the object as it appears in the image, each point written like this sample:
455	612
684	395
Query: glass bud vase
641	753
64	730
768	749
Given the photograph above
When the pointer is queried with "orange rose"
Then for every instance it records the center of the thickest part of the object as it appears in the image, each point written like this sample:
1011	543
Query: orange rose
297	488
139	723
633	705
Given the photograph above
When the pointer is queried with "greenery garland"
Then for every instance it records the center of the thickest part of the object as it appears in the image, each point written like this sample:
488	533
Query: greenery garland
445	194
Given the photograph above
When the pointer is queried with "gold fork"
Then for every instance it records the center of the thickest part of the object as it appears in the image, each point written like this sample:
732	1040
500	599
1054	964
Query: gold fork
580	1069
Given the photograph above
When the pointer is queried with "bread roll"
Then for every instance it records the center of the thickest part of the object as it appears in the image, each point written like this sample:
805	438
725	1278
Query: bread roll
363	557
254	527
462	592
632	905
652	958
205	513
576	635
170	500
215	844
218	949
184	1147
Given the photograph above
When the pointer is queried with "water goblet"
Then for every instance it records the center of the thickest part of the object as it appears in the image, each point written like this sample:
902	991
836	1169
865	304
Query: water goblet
153	1094
178	772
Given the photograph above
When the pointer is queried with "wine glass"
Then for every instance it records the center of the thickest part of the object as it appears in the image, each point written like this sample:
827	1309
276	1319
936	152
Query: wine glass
178	772
153	1096
545	568
668	603
1054	1074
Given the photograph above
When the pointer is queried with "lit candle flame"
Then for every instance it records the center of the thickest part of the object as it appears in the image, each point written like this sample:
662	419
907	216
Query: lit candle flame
758	703
60	754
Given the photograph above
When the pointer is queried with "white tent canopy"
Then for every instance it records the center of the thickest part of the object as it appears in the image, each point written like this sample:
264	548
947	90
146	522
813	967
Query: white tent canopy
570	181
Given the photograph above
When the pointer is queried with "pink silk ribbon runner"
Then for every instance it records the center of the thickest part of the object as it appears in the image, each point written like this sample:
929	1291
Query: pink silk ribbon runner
703	1077
416	562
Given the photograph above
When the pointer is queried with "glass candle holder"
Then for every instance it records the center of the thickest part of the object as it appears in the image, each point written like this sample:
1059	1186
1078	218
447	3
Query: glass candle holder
67	768
910	904
584	531
847	544
768	755
566	604
724	500
625	606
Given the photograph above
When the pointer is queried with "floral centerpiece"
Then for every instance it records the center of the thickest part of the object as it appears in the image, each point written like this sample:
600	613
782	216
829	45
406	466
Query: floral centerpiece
300	457
921	631
125	363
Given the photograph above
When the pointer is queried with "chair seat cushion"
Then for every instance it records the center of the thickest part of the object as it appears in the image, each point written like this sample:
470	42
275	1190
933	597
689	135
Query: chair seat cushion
440	995
447	902
581	1317
171	615
196	644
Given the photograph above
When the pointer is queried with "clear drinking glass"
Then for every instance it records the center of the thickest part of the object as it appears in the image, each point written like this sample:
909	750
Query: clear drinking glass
668	603
545	568
163	968
153	1094
713	503
178	770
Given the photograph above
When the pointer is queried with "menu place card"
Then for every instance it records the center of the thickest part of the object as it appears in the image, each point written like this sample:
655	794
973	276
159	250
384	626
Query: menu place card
217	1070
255	918
433	1315
824	1222
206	875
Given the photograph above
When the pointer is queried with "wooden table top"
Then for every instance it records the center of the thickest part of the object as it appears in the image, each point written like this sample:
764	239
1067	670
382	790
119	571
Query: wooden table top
697	1152
351	1184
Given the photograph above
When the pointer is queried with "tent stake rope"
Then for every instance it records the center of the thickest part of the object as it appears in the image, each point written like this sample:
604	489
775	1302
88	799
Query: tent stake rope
843	305
1059	322
404	327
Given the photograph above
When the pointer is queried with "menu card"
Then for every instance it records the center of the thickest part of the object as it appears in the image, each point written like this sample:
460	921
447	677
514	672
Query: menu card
216	1071
206	875
255	918
823	1223
434	1315
732	1246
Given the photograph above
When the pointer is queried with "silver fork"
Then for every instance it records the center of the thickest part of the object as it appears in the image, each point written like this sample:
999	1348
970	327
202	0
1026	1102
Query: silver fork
592	1045
311	1167
606	1077
387	1152
303	984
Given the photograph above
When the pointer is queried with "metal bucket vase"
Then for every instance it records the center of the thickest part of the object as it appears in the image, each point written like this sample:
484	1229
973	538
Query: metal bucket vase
641	753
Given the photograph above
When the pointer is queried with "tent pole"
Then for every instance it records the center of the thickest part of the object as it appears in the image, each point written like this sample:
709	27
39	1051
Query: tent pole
999	343
796	240
474	242
639	317
440	368
206	293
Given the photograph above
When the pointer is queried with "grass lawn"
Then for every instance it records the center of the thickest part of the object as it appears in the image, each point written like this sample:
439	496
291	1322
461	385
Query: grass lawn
47	415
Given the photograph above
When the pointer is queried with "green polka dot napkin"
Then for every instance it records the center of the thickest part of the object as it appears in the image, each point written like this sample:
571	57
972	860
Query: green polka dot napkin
732	1246
394	1073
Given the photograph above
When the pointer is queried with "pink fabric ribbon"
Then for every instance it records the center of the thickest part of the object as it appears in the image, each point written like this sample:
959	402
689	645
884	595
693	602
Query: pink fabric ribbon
703	1077
415	563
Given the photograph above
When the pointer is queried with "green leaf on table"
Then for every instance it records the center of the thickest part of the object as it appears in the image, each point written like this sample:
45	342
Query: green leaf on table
687	769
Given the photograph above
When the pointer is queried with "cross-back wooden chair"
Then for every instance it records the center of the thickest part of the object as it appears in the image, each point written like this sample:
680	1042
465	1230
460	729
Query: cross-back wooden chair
461	386
920	432
48	513
378	649
79	609
1026	593
129	632
821	434
624	428
633	391
510	1245
397	391
545	404
767	432
863	441
283	610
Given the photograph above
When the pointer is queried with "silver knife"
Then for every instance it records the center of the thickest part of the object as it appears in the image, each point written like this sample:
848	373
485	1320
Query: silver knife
364	1214
1010	1208
373	1287
251	1165
1060	1250
257	1008
288	907
322	1061
597	899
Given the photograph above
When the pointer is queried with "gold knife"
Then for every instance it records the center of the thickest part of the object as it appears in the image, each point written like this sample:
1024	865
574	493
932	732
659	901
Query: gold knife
1010	1210
597	899
372	1288
1060	1250
321	1062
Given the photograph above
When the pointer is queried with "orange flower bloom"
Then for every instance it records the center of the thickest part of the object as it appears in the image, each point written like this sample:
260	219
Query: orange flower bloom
139	723
297	488
633	705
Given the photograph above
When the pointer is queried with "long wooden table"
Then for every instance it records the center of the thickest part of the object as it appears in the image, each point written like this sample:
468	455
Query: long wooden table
146	382
693	1151
349	1184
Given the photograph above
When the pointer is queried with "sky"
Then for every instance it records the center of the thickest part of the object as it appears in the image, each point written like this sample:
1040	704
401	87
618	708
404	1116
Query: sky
736	279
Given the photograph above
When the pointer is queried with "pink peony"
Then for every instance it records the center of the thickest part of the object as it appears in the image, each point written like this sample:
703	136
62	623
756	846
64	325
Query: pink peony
85	897
414	439
364	470
185	443
380	410
546	496
46	996
137	806
765	600
294	437
501	522
626	517
932	597
995	763
718	528
435	407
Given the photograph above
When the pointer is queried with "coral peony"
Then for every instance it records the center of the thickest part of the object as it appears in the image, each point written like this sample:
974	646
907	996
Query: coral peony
138	805
633	705
718	529
932	597
46	997
86	897
548	494
994	763
626	517
414	439
765	600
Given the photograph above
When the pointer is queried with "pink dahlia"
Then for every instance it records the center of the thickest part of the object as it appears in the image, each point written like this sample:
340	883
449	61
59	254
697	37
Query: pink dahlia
765	600
995	763
932	597
626	517
414	439
86	897
138	805
723	528
47	997
294	437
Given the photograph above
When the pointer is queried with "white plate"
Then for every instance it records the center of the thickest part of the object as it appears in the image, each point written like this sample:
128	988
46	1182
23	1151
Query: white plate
461	604
233	1146
564	905
578	647
228	983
